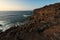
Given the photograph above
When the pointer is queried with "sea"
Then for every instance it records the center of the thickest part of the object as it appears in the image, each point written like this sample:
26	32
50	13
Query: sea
10	18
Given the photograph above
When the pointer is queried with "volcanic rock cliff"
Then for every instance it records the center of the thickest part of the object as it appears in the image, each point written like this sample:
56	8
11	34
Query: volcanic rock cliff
44	24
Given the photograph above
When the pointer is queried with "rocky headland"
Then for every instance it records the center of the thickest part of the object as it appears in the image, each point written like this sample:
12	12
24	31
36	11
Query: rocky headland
44	24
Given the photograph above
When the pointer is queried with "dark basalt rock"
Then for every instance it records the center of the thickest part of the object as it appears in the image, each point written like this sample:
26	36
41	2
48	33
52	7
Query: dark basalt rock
44	24
1	25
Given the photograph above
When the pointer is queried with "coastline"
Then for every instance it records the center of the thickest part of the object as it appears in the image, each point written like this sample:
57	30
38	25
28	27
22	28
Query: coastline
44	24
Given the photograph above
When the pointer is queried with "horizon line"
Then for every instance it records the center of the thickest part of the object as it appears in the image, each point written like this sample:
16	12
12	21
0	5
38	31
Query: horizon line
16	10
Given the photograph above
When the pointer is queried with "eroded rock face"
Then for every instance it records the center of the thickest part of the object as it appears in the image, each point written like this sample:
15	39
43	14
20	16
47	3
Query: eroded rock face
44	24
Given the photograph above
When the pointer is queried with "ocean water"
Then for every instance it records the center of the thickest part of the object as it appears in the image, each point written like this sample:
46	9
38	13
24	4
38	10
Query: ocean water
9	18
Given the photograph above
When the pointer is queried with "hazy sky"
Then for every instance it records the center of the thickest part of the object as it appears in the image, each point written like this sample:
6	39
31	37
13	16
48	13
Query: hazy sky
24	4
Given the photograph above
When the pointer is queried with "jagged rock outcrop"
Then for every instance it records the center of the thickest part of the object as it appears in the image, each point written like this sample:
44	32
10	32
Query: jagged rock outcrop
44	24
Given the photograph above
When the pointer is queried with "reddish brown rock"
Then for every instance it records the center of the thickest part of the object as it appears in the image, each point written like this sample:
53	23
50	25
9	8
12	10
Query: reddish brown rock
44	24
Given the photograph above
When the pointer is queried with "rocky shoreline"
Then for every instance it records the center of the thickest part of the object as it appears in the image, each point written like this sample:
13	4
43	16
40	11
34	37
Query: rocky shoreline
44	24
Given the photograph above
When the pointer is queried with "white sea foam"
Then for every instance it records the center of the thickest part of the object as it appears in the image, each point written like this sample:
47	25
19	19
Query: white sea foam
2	23
3	26
26	15
6	27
